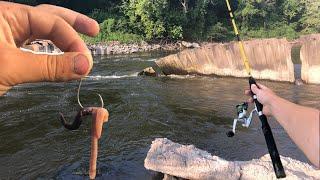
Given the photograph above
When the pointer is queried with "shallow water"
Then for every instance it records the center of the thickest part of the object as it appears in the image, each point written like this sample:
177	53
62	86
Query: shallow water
186	109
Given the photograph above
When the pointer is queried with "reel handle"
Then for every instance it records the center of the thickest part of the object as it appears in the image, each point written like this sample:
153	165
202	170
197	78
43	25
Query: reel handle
272	148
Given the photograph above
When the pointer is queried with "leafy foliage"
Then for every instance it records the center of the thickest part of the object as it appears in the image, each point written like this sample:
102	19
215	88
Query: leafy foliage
196	19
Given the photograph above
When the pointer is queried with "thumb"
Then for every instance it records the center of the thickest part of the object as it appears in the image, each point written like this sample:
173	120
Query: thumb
25	67
255	89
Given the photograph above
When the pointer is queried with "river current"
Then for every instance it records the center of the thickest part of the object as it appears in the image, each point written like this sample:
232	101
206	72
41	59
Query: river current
186	109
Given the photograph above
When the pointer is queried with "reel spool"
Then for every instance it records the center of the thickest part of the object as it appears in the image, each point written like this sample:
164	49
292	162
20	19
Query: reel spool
242	117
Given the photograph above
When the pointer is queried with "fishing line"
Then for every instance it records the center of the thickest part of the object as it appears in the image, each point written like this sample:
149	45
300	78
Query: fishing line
272	148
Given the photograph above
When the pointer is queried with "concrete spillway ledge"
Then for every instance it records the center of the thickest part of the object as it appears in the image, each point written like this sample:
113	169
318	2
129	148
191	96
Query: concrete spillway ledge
310	60
186	161
269	58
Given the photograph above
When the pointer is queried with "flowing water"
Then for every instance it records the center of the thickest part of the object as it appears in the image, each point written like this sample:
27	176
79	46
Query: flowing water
186	109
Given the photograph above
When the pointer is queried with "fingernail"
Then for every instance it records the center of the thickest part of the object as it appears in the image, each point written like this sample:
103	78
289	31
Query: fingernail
81	64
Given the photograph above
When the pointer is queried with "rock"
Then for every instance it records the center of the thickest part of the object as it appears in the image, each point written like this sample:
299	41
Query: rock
99	50
269	59
168	177
195	45
116	48
190	45
143	43
186	161
298	82
149	71
310	61
42	46
186	44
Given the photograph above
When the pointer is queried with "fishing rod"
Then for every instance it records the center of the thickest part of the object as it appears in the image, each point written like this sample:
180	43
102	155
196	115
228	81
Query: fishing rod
272	148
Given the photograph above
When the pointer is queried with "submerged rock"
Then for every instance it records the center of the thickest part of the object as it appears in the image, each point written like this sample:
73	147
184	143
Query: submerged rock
186	161
269	59
310	60
149	71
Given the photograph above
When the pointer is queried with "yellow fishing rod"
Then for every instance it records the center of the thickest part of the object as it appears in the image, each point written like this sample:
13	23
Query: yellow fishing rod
272	148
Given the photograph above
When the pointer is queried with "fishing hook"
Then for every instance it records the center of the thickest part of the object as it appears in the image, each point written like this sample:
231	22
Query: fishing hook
84	111
78	96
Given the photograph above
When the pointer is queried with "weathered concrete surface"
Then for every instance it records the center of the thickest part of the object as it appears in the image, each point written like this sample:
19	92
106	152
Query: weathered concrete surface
310	61
188	162
269	59
306	38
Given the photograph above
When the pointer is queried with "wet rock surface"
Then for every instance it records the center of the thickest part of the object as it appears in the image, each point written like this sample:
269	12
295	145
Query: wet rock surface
186	161
149	71
269	59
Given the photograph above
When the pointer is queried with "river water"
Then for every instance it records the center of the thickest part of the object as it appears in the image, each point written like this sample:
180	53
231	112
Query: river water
186	109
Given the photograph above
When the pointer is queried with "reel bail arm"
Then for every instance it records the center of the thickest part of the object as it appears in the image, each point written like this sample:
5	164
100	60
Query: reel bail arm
246	121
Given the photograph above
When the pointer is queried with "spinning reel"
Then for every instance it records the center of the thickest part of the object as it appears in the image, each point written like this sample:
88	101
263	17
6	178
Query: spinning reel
242	117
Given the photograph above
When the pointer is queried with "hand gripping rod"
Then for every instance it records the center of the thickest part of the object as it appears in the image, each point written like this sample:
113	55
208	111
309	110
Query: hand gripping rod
272	148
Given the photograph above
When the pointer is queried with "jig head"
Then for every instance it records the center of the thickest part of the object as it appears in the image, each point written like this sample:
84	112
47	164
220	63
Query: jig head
81	113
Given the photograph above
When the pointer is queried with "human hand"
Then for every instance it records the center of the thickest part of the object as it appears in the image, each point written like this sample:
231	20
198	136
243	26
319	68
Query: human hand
22	23
264	95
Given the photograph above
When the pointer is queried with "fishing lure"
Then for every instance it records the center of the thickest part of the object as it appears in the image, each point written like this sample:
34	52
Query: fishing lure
99	116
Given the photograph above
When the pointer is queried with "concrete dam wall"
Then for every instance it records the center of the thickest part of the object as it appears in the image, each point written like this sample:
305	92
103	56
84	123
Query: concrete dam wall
269	59
310	60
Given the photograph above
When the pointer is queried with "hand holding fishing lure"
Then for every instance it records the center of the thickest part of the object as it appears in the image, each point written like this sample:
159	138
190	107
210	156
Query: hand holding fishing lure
99	116
272	148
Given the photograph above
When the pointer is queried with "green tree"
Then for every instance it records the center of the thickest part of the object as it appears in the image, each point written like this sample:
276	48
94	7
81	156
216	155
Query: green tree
311	17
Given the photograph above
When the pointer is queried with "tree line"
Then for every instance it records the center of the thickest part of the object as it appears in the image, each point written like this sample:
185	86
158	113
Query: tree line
200	20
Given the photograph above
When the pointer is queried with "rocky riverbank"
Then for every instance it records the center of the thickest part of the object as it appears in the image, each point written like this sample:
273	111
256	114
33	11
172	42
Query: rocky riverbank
117	48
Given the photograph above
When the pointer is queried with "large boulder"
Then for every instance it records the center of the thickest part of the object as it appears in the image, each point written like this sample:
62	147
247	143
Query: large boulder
186	161
310	60
269	59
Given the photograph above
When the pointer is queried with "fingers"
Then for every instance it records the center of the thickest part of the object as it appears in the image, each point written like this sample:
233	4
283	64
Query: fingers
261	86
250	100
79	22
247	92
3	89
44	25
255	89
24	67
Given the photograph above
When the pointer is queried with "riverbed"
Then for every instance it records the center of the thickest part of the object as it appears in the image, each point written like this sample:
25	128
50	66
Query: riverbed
186	109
